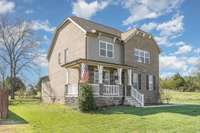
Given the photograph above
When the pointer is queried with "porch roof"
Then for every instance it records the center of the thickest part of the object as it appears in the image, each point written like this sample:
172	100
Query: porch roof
76	64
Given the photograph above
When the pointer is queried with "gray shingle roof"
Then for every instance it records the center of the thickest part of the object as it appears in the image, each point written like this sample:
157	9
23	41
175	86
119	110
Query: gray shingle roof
89	26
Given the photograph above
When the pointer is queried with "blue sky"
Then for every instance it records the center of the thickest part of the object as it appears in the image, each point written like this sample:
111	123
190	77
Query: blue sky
174	24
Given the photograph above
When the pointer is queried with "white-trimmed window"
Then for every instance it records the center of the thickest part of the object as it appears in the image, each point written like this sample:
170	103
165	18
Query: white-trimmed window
106	49
96	76
66	55
135	81
150	82
142	56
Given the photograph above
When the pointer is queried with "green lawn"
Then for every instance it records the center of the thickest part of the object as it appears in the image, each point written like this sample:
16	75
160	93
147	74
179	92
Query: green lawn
184	97
42	118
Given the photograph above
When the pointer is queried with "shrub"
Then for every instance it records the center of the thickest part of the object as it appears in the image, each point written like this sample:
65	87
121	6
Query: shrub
86	99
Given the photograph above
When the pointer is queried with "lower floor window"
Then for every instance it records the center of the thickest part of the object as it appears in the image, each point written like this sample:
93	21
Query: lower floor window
135	80
106	76
150	82
96	76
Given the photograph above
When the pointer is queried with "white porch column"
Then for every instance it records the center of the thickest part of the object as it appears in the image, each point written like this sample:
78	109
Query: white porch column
100	72
119	73
130	77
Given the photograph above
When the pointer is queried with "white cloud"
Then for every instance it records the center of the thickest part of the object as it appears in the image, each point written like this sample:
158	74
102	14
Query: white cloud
197	51
6	6
29	11
167	74
162	40
172	27
168	30
184	65
148	9
85	9
42	60
184	49
149	26
42	25
173	63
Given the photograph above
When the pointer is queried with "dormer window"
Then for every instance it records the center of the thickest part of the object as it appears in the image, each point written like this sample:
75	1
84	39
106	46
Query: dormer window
142	56
106	49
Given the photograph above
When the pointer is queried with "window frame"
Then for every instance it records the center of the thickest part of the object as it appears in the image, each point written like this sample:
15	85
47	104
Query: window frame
106	49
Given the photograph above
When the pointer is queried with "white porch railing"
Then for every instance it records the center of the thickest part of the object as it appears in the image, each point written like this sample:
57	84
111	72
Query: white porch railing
111	90
138	96
107	90
95	89
72	90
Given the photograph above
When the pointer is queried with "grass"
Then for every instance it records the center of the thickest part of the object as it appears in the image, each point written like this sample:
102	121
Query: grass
43	118
184	97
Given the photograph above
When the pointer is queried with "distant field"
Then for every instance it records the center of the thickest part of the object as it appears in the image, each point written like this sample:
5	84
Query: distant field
184	97
43	118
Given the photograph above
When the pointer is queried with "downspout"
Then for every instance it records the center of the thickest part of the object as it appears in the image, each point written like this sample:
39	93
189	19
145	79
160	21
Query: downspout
123	73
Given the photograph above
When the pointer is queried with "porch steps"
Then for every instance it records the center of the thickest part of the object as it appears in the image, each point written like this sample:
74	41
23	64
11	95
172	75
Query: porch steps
131	101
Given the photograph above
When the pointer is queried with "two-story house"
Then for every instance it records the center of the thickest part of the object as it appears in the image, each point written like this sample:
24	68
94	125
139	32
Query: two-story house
122	68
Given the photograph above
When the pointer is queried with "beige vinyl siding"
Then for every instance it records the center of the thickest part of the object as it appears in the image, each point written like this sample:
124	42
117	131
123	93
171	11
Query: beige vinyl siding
93	49
72	38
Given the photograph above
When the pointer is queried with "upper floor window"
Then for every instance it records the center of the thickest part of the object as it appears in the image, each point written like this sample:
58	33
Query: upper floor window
142	56
66	55
106	49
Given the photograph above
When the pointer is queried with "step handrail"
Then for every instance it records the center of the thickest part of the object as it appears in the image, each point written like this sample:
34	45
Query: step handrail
138	96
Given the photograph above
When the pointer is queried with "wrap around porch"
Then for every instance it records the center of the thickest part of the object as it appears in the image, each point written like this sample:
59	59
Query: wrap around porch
105	81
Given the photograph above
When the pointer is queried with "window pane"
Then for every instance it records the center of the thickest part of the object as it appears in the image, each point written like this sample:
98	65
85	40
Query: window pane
110	47
147	54
110	54
102	45
150	82
147	60
136	52
102	52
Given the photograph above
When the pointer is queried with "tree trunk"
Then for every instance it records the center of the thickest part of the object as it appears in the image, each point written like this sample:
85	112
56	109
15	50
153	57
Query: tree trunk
12	83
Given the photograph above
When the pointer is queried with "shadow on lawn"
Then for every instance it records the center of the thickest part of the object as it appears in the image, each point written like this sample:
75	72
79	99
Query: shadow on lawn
191	110
13	119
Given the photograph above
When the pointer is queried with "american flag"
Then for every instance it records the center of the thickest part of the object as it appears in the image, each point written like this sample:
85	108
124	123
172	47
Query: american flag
84	72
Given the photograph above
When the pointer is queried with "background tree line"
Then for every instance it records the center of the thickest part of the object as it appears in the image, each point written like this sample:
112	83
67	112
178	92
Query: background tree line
181	83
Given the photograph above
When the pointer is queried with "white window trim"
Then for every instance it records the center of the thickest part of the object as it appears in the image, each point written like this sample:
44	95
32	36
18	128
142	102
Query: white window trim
107	43
66	55
151	83
143	55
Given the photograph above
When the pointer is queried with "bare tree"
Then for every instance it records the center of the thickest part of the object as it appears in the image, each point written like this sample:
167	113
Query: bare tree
18	47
